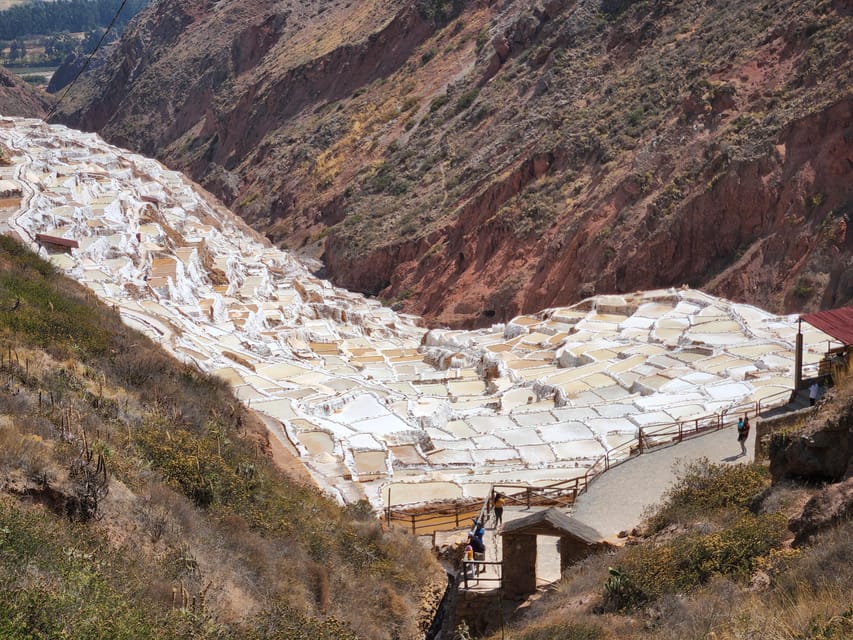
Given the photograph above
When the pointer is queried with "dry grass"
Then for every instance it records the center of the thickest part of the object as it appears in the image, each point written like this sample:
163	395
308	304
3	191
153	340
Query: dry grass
199	535
22	452
786	594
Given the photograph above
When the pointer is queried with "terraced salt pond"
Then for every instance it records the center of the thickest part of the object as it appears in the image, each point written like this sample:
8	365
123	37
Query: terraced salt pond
373	402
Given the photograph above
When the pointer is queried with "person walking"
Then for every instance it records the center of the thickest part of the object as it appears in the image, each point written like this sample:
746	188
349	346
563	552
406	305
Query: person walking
814	390
479	549
743	433
499	509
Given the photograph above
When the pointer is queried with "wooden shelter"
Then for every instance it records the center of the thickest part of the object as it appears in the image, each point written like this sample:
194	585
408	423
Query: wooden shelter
836	323
577	541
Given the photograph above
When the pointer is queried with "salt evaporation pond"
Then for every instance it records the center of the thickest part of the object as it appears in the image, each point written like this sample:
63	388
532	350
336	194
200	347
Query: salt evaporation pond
371	401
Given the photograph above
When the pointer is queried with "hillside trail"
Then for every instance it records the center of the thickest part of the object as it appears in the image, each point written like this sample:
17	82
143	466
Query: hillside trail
619	498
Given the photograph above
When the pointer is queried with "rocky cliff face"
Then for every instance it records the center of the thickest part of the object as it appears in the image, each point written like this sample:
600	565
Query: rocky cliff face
821	453
470	160
17	98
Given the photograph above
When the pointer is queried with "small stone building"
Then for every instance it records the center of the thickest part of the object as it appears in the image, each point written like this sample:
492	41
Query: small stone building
577	541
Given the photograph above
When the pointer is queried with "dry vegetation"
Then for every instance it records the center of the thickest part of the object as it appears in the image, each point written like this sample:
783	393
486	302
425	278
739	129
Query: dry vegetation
715	562
133	502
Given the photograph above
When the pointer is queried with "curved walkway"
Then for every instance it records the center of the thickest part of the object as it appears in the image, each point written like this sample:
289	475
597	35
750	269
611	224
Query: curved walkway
617	500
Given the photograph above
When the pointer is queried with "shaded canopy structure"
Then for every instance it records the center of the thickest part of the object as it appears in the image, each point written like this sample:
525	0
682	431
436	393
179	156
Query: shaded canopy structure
836	323
577	541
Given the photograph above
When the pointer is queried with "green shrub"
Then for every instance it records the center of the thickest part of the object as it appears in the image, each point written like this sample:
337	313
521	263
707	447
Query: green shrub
635	116
440	11
437	103
704	488
466	99
482	38
648	572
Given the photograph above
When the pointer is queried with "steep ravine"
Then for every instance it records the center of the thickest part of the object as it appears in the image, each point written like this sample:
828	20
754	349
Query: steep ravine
755	232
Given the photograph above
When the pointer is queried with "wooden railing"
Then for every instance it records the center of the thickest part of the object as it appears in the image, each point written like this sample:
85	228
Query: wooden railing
565	492
446	517
472	571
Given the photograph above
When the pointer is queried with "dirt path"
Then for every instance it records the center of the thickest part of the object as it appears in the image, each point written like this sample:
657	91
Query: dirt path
619	498
283	454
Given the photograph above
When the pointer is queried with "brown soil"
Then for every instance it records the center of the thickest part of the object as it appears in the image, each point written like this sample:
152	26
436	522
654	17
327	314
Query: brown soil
285	456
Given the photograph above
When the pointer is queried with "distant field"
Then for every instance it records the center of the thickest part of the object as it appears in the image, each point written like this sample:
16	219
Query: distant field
5	4
45	72
40	70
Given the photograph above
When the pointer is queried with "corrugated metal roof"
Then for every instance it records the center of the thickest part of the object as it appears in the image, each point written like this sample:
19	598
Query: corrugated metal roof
837	323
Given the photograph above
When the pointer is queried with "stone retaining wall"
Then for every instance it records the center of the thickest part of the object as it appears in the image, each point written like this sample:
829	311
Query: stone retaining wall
765	427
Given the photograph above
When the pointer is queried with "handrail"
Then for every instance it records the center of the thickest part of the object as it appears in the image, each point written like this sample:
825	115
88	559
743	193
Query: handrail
648	438
476	566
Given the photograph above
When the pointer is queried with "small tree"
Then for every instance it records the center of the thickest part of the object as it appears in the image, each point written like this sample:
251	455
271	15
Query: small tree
17	50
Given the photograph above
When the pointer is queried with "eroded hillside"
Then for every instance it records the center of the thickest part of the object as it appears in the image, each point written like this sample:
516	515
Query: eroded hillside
471	160
17	98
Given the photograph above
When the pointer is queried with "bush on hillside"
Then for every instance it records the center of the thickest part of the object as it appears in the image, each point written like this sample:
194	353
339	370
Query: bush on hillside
648	572
704	488
563	631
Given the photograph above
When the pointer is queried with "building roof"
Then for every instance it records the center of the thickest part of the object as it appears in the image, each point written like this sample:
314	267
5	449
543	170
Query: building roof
554	523
837	323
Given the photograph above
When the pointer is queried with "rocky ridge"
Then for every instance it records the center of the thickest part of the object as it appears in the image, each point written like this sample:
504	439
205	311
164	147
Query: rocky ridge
431	149
17	98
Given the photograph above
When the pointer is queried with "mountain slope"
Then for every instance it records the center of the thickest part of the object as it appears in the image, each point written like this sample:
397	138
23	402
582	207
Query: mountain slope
137	499
471	160
18	99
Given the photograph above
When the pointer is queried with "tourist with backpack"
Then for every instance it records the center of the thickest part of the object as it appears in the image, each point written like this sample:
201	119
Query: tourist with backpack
743	433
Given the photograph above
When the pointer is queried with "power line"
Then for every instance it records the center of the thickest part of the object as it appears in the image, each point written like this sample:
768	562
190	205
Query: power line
88	60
